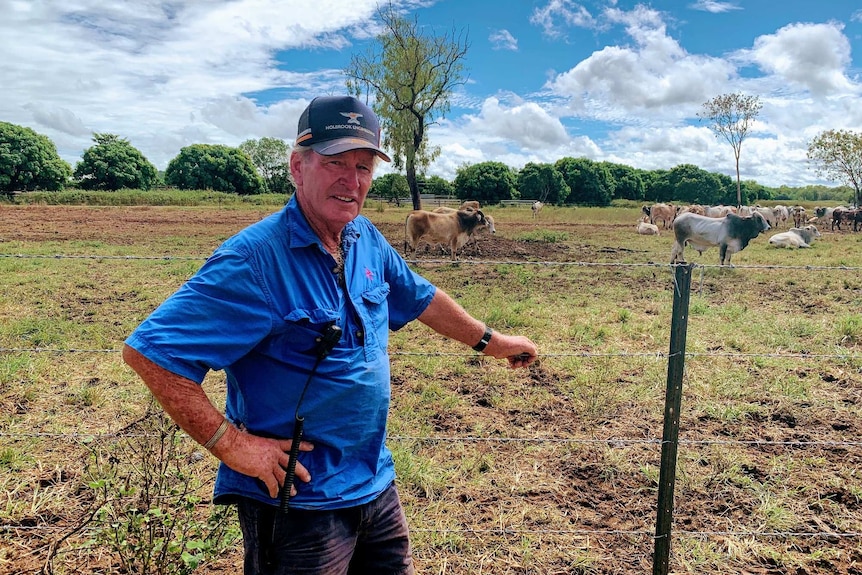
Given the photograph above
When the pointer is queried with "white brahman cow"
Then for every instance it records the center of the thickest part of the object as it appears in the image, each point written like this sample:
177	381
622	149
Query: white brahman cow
731	234
646	228
795	237
536	208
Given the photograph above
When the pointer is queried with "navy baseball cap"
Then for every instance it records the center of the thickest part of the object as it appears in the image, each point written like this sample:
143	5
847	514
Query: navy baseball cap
335	124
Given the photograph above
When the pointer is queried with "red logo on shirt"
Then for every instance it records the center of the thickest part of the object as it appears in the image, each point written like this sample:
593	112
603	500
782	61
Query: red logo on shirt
369	274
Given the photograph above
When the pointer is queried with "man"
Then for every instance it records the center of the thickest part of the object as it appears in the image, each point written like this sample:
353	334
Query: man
259	309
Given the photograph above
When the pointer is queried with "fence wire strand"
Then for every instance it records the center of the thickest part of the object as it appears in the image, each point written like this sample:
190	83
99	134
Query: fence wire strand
545	263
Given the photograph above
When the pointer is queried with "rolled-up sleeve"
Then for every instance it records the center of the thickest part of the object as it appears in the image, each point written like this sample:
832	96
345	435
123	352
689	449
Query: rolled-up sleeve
214	319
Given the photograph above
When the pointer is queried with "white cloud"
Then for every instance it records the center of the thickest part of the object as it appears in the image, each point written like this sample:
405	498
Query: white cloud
814	56
59	119
503	40
556	14
525	124
653	88
656	74
714	6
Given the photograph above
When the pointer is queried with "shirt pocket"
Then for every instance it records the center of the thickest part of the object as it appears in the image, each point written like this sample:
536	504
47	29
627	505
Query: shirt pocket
375	308
299	334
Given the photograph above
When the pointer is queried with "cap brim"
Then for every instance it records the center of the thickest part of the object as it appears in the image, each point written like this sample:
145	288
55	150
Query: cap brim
332	147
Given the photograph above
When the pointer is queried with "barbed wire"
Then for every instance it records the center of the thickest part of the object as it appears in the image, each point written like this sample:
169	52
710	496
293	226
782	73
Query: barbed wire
612	441
472	262
526	531
650	355
100	257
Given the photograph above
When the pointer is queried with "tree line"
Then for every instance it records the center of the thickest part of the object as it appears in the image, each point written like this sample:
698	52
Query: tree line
584	182
29	161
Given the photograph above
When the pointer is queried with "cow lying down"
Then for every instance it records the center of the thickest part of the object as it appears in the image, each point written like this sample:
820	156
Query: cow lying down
795	237
731	234
647	229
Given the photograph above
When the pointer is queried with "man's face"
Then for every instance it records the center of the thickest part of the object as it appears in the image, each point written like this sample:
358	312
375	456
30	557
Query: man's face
332	189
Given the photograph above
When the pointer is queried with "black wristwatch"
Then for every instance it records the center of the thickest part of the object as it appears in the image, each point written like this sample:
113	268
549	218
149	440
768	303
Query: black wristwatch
483	343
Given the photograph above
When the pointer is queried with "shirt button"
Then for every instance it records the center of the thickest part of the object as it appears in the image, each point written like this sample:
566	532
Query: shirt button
335	270
359	334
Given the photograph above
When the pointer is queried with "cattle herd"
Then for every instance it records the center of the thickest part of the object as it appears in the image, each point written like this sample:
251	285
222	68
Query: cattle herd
731	229
700	227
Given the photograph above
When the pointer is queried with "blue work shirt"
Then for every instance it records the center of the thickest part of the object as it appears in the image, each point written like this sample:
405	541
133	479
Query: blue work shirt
255	309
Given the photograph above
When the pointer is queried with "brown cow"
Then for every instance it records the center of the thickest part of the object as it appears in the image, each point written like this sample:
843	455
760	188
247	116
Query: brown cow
471	205
451	229
665	213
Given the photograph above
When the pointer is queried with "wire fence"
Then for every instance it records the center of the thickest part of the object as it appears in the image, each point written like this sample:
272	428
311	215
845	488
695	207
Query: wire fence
609	442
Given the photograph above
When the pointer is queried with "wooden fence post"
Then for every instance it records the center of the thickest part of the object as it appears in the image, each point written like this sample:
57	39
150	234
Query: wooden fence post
673	401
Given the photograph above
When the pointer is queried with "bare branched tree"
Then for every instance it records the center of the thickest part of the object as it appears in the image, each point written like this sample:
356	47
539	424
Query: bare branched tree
411	75
731	116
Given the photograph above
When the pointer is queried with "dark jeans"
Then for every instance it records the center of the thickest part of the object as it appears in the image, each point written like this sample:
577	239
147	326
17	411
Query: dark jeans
371	539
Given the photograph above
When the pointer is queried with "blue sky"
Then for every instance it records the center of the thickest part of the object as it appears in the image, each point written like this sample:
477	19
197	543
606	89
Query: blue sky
618	81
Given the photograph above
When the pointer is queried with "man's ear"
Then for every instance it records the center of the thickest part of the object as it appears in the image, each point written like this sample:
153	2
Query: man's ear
296	168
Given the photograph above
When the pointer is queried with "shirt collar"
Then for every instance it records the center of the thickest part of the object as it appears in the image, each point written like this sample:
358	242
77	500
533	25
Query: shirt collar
301	233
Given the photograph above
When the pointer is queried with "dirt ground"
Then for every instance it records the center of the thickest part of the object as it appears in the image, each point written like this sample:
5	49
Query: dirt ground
601	514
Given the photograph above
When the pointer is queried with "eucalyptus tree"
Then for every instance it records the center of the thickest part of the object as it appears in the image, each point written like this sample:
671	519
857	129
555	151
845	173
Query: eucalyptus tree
731	116
837	155
411	74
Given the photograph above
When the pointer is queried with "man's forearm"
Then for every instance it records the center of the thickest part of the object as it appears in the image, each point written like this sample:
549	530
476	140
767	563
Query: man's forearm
184	400
446	316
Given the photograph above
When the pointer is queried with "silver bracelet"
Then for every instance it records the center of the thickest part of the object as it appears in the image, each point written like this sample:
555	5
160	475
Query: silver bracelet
217	435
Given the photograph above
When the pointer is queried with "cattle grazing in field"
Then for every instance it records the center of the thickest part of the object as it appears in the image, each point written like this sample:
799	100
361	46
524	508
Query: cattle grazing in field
795	237
646	228
848	216
822	216
767	214
664	213
472	205
719	211
798	215
731	234
782	214
693	208
452	229
536	208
